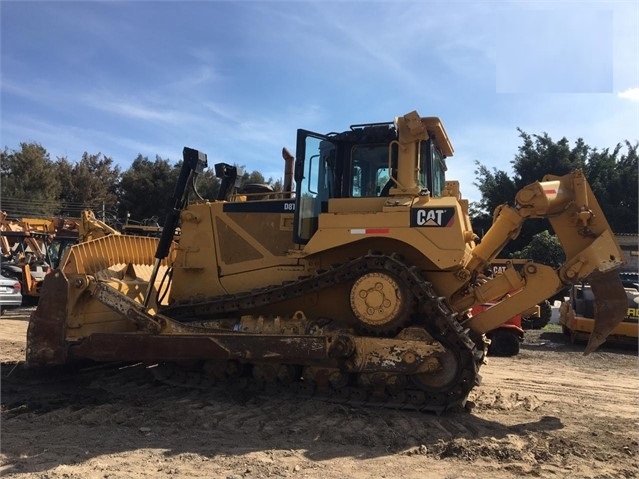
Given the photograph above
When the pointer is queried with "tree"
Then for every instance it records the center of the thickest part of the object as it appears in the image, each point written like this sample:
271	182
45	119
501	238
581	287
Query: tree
496	189
30	185
614	180
612	175
540	155
146	187
543	248
90	183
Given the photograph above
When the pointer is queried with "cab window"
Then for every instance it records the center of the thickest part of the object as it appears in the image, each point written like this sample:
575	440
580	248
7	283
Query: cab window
369	170
432	168
438	172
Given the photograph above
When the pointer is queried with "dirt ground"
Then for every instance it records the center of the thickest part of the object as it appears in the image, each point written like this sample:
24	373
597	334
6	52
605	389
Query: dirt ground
549	412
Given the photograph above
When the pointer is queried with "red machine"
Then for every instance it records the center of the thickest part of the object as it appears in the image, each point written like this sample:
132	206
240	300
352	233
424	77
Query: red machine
504	340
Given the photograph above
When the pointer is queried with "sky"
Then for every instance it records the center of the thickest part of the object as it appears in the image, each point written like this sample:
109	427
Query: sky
236	79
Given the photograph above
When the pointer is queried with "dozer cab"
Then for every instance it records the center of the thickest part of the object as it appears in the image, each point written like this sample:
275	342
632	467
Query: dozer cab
357	284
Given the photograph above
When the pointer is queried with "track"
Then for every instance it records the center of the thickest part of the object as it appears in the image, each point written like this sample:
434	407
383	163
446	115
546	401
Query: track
434	392
104	394
112	388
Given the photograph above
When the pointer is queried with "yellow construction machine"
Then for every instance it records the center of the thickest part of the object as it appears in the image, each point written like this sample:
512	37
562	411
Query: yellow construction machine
577	315
357	284
31	246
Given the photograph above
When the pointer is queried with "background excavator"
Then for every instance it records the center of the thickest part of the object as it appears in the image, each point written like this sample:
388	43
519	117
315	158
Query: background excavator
30	247
358	284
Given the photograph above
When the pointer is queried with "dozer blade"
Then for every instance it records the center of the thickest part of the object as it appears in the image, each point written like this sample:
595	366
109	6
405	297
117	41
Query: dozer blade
45	335
610	306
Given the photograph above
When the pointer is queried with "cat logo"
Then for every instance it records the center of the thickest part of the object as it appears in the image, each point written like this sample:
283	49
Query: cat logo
498	269
432	217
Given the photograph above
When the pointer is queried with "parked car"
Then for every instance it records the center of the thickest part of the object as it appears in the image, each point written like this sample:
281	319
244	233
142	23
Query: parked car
10	294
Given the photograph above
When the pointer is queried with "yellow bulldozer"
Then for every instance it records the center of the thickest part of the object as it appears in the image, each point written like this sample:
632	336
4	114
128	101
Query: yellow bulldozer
357	283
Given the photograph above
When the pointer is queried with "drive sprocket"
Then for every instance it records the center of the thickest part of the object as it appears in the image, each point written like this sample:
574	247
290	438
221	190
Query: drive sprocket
380	302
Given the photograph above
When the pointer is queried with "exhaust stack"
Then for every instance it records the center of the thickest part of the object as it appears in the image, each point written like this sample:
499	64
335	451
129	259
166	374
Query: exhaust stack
289	159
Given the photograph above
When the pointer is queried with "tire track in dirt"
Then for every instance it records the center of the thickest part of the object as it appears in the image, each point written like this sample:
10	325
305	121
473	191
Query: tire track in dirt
546	414
130	395
620	386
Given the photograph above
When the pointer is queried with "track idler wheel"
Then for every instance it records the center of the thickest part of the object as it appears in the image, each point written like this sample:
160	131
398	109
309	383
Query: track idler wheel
380	302
445	376
442	379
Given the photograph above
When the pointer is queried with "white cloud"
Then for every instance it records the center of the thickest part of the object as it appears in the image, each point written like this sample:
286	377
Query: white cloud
70	141
631	94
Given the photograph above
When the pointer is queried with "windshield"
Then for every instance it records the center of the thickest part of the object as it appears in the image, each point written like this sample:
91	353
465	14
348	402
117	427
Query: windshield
432	169
369	170
438	172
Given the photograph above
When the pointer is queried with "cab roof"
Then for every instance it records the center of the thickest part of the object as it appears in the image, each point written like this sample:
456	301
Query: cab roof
434	126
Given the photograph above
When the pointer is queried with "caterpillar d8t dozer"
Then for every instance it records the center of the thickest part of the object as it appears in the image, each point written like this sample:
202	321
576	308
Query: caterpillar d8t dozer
356	284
